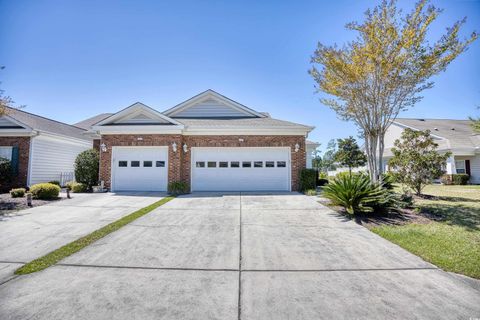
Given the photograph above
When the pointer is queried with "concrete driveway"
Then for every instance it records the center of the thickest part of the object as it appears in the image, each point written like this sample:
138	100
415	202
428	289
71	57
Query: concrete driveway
240	256
34	232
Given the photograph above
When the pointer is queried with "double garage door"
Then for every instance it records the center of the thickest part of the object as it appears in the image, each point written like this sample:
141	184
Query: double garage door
240	169
212	169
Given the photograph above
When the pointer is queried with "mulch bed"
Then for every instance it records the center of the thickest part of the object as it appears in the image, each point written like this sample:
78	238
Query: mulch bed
397	217
12	205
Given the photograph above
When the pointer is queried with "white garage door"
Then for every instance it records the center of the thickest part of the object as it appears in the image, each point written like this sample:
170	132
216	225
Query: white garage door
139	168
240	169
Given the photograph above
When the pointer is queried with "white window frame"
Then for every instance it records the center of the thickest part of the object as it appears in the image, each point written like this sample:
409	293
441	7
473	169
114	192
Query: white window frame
457	167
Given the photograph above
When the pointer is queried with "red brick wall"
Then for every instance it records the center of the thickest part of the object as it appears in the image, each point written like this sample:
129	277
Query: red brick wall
23	144
179	162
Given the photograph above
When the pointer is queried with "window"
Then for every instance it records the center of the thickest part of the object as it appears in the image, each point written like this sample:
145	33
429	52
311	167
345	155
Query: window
123	163
134	164
223	164
6	152
460	166
160	164
281	164
246	164
200	164
234	164
211	164
147	163
269	164
258	164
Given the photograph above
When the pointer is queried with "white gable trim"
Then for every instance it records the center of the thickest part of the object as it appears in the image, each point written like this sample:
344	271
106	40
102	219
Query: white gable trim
135	109
24	131
210	94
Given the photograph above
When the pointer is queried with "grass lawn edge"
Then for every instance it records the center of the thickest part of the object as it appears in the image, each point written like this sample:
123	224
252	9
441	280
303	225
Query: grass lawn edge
55	256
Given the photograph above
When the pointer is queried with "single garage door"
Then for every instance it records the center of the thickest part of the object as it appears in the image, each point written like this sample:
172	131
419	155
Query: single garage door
139	168
241	169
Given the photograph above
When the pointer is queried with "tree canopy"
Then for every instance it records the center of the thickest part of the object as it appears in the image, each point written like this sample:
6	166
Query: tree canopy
349	153
416	161
384	70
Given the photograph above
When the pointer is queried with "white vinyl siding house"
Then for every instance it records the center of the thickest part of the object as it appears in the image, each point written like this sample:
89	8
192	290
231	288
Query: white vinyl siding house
50	156
454	136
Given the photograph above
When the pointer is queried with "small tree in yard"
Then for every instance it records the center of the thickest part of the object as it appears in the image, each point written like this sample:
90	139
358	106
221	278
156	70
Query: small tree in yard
349	154
384	70
86	167
416	161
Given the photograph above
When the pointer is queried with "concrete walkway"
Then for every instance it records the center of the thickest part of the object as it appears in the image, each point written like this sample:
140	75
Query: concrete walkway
34	232
240	256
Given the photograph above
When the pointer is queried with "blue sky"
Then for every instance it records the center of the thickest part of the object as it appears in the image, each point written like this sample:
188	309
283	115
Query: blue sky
69	60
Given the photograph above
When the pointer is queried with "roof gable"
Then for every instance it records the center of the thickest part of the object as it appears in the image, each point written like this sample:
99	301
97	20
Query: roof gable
211	105
137	114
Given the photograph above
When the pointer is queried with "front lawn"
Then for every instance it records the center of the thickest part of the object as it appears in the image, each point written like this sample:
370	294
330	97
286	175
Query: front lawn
450	236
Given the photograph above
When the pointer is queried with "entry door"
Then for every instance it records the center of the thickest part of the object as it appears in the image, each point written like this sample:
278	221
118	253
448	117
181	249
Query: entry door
139	168
241	169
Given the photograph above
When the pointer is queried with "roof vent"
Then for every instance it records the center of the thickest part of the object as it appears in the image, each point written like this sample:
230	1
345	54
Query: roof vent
452	129
436	129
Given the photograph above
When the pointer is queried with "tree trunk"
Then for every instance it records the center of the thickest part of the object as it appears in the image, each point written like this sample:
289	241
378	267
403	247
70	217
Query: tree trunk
381	148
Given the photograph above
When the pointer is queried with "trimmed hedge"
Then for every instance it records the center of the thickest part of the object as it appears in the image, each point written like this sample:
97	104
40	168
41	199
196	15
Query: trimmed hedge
308	179
18	192
76	187
455	179
56	182
45	191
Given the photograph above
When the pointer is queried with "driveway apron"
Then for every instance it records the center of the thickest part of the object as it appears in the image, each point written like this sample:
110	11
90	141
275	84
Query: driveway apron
240	256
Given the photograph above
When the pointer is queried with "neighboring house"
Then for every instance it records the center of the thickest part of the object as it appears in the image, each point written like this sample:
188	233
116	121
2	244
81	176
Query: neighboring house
455	136
40	149
210	142
311	147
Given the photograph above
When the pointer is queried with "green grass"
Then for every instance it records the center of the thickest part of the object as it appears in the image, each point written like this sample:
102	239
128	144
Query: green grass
451	248
77	245
452	240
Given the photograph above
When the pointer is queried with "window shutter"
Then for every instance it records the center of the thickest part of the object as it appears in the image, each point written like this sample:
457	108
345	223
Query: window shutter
15	160
467	167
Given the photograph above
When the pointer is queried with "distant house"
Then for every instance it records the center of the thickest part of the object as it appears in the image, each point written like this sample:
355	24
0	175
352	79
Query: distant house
39	149
455	136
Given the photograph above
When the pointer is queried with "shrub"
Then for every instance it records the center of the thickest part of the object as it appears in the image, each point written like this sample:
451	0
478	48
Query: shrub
18	193
45	191
308	179
456	179
323	175
322	182
311	192
86	167
356	193
177	188
76	187
6	172
460	179
56	182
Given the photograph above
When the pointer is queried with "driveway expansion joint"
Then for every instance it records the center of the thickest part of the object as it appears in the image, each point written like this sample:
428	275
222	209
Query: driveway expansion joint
143	268
240	262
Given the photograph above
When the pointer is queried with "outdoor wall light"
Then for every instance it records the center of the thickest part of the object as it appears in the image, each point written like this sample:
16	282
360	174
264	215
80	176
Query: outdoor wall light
297	147
103	147
174	147
185	148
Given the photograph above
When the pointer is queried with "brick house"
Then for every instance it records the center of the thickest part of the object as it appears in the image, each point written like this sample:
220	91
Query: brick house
39	149
209	141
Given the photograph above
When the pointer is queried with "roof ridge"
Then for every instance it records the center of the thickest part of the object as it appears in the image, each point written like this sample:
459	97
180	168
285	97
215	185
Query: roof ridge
36	115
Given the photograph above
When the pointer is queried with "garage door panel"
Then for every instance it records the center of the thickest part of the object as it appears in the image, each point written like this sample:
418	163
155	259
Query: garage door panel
139	169
257	177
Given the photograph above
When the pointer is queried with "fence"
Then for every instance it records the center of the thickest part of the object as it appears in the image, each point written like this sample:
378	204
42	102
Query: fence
66	177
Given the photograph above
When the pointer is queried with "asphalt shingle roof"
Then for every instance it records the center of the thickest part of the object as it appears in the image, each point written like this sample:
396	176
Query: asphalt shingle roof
47	125
459	133
87	123
246	123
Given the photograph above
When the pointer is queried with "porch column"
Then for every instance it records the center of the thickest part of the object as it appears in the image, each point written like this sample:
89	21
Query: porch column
451	165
